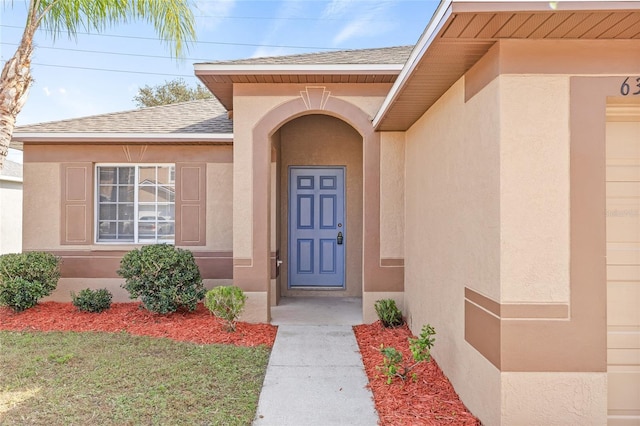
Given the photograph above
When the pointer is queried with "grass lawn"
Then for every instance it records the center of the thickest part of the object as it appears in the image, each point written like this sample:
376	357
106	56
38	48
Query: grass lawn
68	378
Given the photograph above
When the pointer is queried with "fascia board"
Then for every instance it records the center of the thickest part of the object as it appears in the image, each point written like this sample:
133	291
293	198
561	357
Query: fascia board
123	137
10	179
300	69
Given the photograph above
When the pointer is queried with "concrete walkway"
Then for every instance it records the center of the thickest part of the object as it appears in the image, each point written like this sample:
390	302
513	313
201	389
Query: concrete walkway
315	374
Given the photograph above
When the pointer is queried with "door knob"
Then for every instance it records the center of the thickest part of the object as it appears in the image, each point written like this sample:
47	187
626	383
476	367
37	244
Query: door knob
340	238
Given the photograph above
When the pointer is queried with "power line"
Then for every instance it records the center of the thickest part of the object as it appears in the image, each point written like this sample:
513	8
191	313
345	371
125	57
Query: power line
111	70
223	43
107	53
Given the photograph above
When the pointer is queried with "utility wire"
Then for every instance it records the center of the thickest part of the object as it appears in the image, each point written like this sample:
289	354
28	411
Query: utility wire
195	42
108	53
110	70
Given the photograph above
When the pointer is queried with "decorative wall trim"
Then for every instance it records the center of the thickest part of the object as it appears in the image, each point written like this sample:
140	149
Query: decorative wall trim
392	262
191	204
77	203
104	263
134	153
315	97
518	310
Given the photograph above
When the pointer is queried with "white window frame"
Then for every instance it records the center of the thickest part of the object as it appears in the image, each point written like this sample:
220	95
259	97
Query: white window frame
96	210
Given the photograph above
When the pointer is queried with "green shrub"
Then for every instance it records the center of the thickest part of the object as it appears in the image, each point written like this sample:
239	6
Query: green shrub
393	363
20	294
388	313
25	278
92	300
226	302
165	278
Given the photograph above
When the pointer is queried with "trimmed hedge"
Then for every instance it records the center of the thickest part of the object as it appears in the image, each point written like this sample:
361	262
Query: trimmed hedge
25	278
165	278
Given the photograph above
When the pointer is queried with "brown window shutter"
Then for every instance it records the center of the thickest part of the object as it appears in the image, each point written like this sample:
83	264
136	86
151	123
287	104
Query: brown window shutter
191	207
77	203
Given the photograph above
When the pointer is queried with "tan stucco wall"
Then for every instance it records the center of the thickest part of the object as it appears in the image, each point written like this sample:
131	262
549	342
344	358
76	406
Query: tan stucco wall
392	157
219	207
533	399
10	216
534	188
41	226
452	237
324	140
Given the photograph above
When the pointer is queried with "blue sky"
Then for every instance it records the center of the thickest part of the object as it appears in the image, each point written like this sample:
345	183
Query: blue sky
100	73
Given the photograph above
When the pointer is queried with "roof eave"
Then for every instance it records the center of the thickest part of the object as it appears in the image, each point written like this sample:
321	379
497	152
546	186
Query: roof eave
54	137
439	18
10	179
295	69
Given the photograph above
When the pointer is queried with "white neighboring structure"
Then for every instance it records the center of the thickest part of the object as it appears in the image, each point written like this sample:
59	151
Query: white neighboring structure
11	207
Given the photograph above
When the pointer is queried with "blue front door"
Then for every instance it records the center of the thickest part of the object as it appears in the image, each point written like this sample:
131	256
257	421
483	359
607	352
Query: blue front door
317	235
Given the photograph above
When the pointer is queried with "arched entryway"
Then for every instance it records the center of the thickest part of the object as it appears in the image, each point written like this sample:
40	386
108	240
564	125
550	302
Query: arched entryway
258	274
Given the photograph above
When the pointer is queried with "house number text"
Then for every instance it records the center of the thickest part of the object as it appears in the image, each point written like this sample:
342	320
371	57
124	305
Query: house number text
630	86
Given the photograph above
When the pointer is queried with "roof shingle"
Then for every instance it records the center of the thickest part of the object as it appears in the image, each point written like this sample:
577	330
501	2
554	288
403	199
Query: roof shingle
384	55
201	116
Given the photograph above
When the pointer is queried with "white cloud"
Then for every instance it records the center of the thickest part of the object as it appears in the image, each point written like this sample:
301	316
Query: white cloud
46	91
337	8
368	18
209	13
265	51
62	91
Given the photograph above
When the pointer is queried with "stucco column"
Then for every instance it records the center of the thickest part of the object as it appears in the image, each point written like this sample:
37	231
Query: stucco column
252	274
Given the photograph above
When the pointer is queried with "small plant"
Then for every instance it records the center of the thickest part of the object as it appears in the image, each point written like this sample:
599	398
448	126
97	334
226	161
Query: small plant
164	277
388	313
92	300
25	278
226	302
393	362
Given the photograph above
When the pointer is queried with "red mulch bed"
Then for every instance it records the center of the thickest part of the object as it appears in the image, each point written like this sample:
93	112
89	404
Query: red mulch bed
199	326
430	400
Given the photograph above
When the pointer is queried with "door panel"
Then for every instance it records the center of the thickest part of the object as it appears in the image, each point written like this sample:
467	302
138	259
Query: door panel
316	216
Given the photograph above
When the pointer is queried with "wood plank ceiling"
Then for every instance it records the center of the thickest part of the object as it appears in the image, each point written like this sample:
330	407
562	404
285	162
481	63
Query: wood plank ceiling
467	36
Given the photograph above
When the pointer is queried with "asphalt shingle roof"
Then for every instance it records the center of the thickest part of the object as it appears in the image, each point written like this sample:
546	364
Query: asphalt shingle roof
201	116
384	55
204	116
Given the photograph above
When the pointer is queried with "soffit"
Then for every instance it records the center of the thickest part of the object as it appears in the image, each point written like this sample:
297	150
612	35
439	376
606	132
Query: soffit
462	32
222	85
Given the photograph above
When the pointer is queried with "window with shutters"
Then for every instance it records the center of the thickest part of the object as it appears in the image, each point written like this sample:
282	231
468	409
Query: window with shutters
135	203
